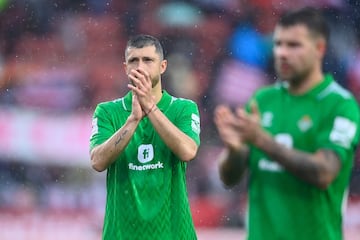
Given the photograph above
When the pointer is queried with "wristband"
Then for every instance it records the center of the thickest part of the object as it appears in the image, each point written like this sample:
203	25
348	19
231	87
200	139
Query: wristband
153	108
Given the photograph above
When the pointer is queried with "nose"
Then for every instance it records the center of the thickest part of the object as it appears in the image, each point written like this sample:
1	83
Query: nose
141	64
280	51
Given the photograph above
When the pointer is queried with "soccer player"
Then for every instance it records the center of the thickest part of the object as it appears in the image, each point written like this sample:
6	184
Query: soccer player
296	138
144	141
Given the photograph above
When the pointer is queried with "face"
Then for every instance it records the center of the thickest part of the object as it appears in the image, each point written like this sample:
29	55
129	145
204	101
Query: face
296	53
147	59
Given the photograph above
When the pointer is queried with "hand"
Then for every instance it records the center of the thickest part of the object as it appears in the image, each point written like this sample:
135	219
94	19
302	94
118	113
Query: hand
137	113
249	123
142	86
227	126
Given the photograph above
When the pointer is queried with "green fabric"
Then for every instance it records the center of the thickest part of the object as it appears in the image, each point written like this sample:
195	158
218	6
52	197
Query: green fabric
281	205
146	185
3	4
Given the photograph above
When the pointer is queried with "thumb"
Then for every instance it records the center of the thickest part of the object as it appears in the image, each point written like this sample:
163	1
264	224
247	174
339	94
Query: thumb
254	109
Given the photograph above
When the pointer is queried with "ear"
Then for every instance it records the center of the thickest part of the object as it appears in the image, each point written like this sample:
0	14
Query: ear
163	66
125	67
321	47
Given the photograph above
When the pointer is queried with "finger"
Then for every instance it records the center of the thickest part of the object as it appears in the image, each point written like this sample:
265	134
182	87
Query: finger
223	113
222	110
133	79
142	76
254	108
136	84
136	73
133	88
243	120
241	113
136	77
143	73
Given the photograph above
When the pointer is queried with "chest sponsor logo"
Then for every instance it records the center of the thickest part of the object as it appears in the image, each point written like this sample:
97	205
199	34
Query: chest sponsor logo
145	155
146	166
305	123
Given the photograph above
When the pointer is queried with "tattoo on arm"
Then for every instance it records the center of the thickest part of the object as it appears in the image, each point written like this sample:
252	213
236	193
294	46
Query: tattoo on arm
320	168
121	137
302	165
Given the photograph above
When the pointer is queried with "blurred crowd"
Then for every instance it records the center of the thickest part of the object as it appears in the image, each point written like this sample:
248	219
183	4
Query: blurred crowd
66	56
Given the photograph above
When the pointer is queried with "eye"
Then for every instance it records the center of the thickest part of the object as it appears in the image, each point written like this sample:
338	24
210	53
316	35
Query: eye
132	60
293	44
148	59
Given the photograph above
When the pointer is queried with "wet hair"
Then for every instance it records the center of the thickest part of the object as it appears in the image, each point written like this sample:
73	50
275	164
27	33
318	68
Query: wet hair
143	40
311	17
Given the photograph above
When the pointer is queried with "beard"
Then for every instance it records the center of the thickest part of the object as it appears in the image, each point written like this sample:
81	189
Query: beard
155	81
294	77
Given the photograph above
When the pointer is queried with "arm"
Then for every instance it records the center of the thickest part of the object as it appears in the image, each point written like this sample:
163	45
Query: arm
182	145
232	165
319	168
105	154
233	160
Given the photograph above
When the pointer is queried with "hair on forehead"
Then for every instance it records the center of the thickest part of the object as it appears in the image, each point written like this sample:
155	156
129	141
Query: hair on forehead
311	17
143	40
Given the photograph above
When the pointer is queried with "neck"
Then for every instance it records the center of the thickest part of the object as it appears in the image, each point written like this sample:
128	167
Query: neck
307	83
157	92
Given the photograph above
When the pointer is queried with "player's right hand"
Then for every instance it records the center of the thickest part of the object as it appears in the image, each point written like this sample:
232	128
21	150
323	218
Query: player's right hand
137	113
227	124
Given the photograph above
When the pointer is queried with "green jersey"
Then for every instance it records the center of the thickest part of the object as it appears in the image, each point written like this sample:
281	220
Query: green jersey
281	205
146	185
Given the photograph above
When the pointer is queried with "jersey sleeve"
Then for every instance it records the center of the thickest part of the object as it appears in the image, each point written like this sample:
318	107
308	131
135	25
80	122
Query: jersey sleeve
102	128
341	131
189	120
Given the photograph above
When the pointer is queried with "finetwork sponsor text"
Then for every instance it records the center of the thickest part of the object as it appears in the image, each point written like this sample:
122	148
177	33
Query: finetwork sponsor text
145	167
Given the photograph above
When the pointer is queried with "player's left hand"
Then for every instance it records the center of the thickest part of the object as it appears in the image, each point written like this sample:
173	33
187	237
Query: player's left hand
249	123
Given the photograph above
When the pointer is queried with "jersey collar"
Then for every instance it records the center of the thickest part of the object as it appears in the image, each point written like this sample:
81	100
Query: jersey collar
163	104
328	79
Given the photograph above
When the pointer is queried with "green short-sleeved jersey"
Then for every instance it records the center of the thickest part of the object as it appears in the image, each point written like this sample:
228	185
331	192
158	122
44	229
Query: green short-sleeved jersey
281	206
146	185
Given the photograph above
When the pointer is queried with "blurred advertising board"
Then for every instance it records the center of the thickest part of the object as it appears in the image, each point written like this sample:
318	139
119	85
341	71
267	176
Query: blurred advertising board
44	138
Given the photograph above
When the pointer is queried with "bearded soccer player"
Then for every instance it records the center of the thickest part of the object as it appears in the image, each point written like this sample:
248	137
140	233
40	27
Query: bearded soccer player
144	141
296	138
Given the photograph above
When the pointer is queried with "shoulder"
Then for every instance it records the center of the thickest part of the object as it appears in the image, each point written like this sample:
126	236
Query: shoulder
335	91
338	101
110	106
179	101
339	98
269	90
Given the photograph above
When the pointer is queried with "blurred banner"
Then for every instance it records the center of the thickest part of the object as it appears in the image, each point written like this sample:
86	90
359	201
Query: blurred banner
42	138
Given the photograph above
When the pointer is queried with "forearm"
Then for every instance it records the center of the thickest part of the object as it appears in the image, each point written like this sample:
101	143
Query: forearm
180	144
319	168
106	153
232	165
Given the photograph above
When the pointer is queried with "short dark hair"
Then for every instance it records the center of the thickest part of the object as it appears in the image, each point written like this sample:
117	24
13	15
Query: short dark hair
143	40
311	17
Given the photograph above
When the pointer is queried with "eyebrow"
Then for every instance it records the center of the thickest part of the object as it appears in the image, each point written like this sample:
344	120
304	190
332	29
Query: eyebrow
137	58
